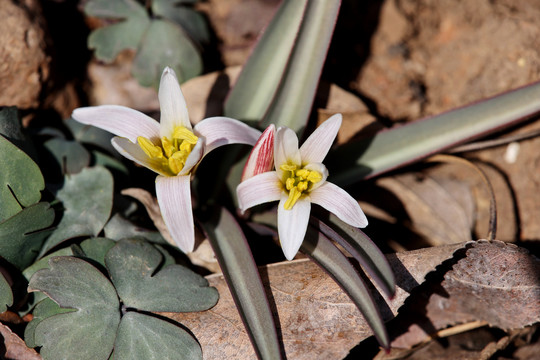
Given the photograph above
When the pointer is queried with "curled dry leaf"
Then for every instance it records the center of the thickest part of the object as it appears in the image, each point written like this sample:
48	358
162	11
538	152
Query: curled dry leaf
316	320
14	347
494	282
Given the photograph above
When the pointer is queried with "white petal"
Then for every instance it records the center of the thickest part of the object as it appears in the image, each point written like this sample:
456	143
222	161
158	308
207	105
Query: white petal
219	131
119	120
134	153
286	149
261	157
259	189
172	103
174	199
317	145
292	225
194	157
338	201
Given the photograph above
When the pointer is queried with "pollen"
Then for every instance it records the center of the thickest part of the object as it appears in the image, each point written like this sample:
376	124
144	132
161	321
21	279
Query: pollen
171	155
298	182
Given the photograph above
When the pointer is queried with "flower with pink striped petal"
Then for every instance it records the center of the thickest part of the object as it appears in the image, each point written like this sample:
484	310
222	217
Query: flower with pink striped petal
172	148
298	180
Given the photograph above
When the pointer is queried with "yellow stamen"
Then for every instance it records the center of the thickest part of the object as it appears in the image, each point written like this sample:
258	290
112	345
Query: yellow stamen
170	156
298	182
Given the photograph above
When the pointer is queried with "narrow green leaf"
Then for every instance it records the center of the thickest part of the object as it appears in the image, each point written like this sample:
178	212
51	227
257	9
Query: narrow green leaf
132	265
360	246
165	44
22	235
331	260
145	337
88	332
6	295
390	149
242	276
21	181
108	41
87	199
292	104
258	82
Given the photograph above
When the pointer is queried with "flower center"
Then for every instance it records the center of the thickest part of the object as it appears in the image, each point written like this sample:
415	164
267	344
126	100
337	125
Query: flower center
171	154
299	180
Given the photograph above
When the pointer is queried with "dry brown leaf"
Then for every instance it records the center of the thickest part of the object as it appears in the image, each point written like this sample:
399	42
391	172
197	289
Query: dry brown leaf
439	209
14	347
316	319
494	282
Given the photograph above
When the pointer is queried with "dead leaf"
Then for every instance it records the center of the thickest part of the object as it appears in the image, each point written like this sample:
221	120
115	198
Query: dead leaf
14	347
495	282
440	210
316	319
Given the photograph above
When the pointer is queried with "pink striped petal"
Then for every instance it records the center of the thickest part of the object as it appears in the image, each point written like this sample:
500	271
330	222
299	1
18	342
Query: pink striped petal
286	149
292	225
261	158
119	120
172	103
174	199
339	202
219	131
317	145
259	189
134	153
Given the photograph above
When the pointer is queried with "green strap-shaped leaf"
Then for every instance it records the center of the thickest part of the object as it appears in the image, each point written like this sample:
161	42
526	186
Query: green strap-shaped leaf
360	246
165	44
242	276
22	235
294	98
390	149
258	82
21	181
132	265
108	41
87	199
330	259
145	337
87	333
6	295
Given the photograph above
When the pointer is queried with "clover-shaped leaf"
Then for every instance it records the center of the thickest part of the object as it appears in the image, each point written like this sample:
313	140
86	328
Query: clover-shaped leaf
165	44
89	331
21	181
22	235
87	199
70	156
6	295
97	323
133	266
110	40
191	21
159	41
140	335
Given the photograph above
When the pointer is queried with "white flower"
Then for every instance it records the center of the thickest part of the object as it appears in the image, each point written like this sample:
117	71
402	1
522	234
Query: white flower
299	179
171	148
